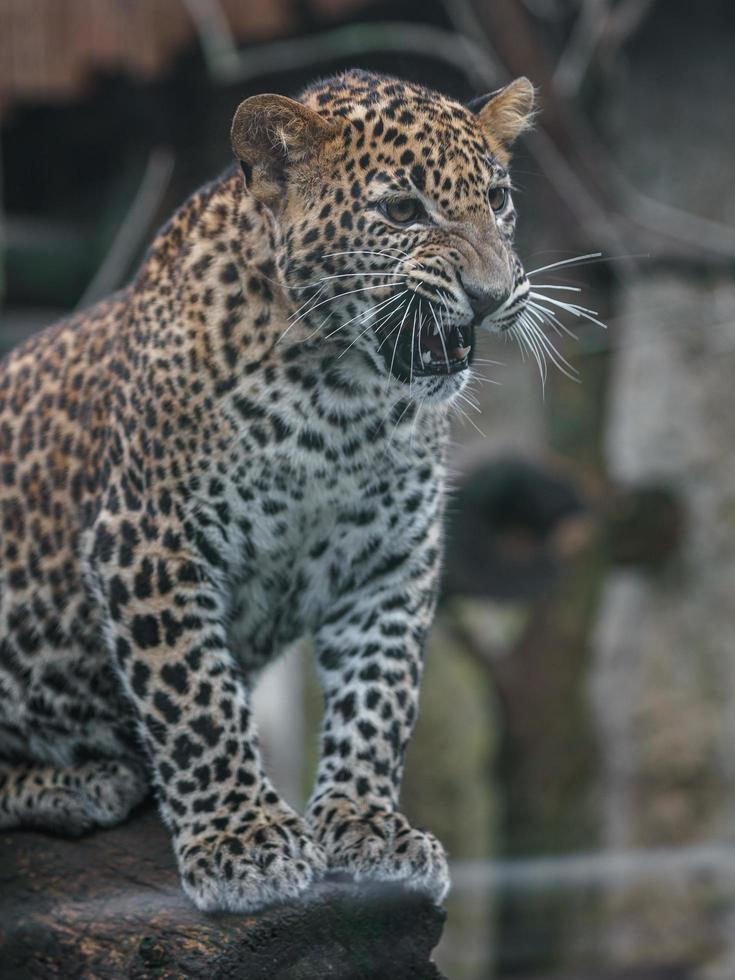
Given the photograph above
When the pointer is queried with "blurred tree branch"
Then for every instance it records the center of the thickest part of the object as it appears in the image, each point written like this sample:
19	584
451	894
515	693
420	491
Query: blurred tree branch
134	227
584	40
602	27
228	63
612	213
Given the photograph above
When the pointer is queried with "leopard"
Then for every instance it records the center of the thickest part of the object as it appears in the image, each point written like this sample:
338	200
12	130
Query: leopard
245	446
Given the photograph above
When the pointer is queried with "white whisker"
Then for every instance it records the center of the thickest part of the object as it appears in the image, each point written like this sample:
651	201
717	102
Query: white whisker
514	333
308	301
370	309
408	405
351	275
465	398
369	251
349	292
578	259
471	421
554	355
395	348
370	326
580	311
414	424
398	328
391	406
563	303
551	318
483	380
413	338
441	336
532	346
386	255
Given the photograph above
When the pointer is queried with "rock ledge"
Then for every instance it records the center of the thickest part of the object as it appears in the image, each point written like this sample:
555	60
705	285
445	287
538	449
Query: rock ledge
110	906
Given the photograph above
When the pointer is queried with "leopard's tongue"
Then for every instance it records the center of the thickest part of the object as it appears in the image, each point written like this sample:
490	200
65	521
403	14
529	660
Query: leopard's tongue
451	347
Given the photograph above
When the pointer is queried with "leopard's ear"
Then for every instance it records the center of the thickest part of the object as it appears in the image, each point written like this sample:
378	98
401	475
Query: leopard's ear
505	114
269	134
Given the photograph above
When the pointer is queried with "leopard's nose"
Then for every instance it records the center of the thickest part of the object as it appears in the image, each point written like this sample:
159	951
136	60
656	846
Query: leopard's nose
483	300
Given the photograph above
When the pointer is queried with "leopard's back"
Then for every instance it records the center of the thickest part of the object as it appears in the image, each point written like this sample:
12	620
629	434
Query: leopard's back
58	696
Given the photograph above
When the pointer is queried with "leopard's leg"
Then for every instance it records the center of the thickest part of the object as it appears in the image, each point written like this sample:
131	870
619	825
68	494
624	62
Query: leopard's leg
370	652
69	799
238	845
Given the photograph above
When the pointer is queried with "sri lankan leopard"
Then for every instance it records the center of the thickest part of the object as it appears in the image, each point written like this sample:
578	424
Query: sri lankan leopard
246	445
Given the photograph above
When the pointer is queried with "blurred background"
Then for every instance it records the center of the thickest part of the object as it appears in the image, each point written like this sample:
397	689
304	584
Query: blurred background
576	745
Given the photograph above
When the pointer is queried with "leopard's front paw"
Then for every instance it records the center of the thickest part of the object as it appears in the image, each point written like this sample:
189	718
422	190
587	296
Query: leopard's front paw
247	868
381	845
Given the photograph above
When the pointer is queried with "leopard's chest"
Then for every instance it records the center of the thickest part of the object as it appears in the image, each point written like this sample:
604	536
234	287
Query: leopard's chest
303	541
282	592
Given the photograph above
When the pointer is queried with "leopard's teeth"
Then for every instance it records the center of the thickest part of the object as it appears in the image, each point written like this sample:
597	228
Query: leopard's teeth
462	352
426	356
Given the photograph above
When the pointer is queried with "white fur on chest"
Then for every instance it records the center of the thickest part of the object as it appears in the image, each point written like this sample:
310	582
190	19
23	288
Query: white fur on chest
306	533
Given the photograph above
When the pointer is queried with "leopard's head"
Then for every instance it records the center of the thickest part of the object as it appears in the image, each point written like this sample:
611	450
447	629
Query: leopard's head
394	217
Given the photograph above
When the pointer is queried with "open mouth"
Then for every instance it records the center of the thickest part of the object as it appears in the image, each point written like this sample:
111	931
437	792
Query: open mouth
419	350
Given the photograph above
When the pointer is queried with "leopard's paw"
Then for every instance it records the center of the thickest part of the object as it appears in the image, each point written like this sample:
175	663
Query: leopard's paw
76	799
381	845
245	870
110	790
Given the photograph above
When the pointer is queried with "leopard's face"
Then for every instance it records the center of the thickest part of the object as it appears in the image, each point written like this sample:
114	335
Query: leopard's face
397	235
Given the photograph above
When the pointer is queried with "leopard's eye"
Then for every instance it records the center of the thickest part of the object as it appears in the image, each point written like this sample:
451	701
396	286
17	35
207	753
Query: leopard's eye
403	210
498	198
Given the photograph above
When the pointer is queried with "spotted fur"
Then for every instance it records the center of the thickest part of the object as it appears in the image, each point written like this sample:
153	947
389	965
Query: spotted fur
246	445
